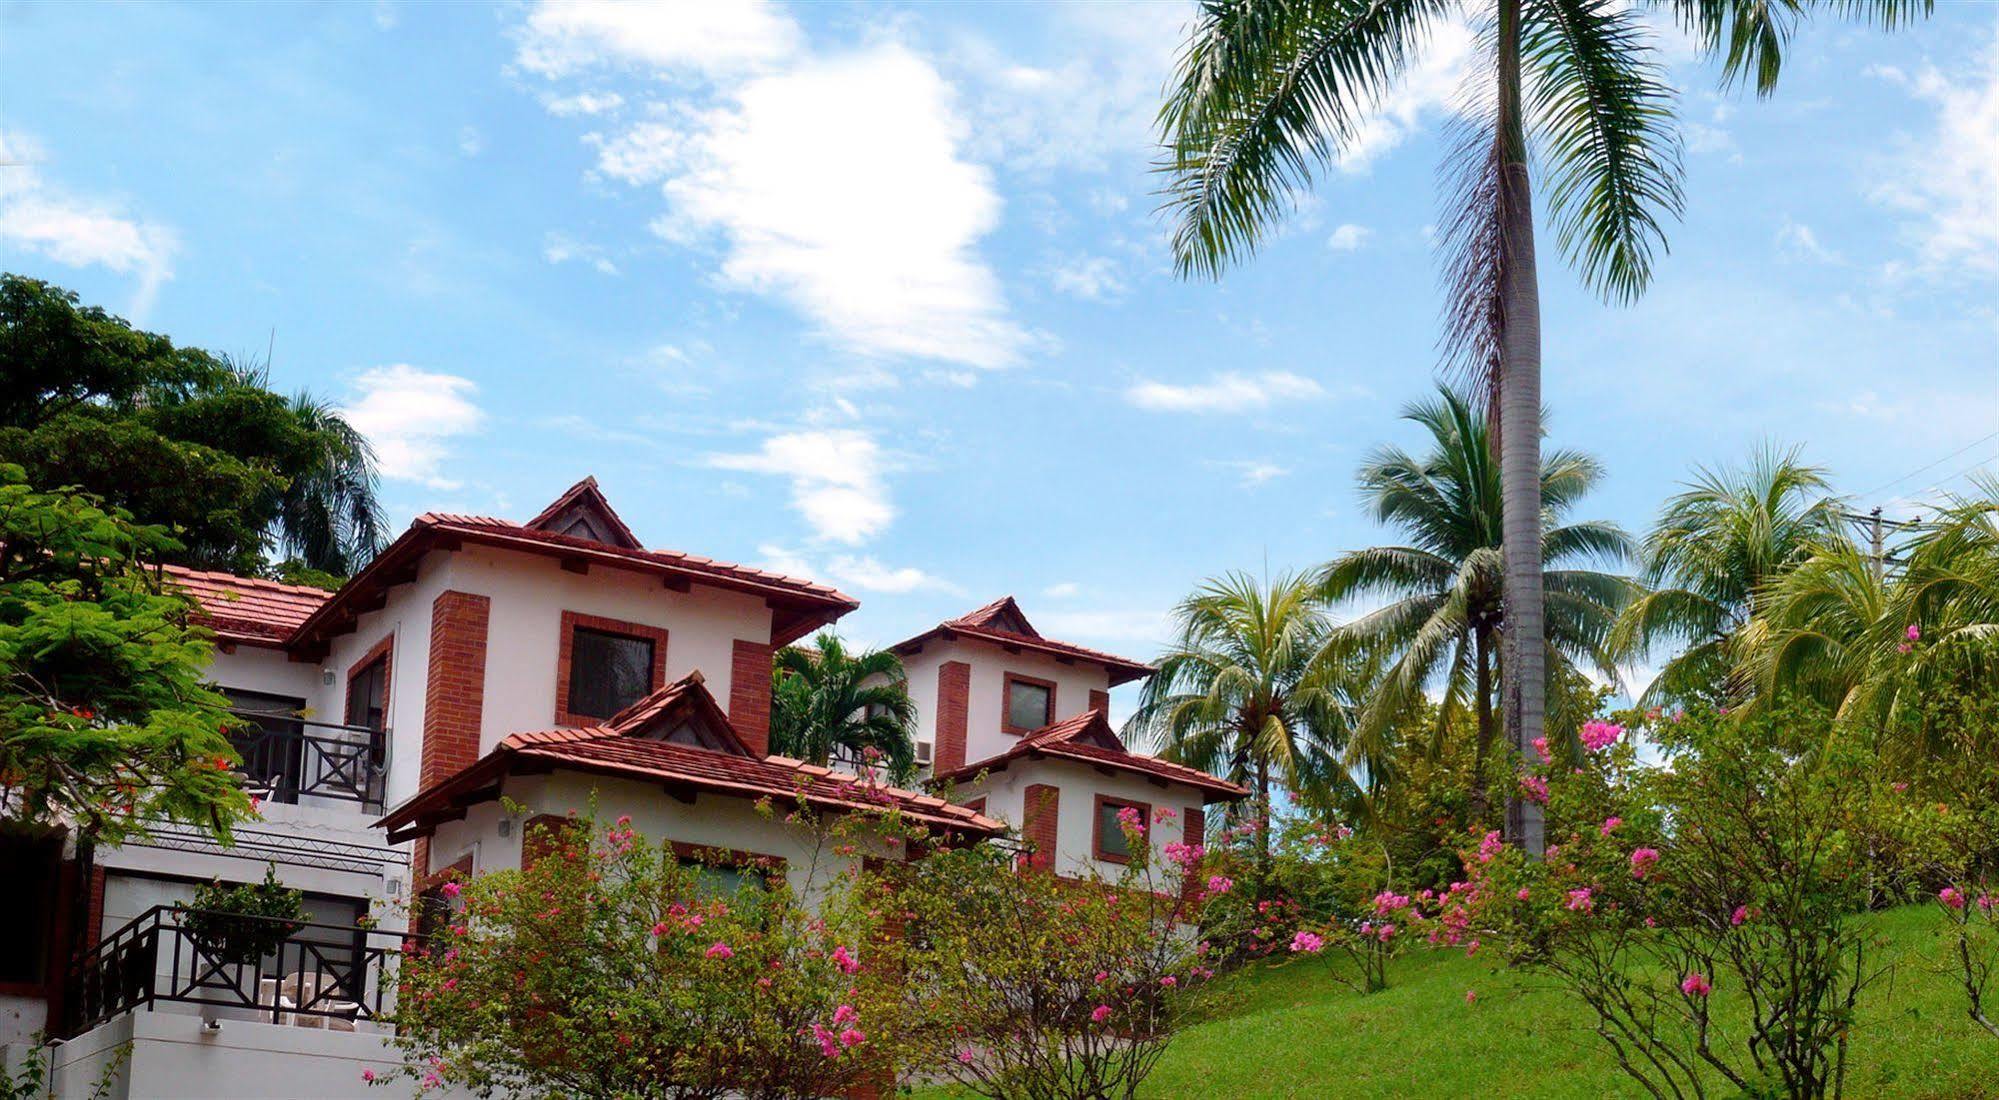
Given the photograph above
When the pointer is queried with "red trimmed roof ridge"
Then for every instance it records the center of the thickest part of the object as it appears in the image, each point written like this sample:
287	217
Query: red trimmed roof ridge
1088	738
984	625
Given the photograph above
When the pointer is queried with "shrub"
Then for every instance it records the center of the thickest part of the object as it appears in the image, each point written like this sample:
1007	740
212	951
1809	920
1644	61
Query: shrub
241	924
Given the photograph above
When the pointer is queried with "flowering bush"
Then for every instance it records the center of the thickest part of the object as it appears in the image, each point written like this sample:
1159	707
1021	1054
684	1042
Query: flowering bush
609	968
1027	984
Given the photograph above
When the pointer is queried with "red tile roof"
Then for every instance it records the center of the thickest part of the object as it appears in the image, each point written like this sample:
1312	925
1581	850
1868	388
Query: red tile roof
247	610
1088	739
586	495
613	749
1003	624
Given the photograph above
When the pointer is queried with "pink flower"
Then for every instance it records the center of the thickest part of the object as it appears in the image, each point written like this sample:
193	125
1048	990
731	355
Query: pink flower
1169	981
852	1037
967	1057
1642	861
1099	1014
1950	896
1582	900
368	1075
721	951
1490	847
1130	818
1541	747
1534	788
828	1044
624	820
1219	884
1103	976
452	890
1523	894
1598	735
1308	943
1915	633
1985	902
845	1013
1609	825
846	962
1471	996
1903	647
1736	918
1695	985
659	929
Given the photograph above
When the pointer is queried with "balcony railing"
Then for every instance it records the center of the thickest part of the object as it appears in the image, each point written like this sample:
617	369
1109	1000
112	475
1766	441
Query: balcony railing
322	975
286	758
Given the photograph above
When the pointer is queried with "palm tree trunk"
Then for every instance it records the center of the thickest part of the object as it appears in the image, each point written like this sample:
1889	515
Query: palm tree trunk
1263	823
1482	656
1519	433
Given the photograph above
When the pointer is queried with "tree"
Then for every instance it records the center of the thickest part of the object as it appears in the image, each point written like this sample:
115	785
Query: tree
825	699
181	438
1269	91
1709	563
1246	691
1446	609
106	723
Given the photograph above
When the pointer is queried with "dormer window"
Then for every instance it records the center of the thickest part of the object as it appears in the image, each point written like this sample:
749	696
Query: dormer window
1029	703
605	666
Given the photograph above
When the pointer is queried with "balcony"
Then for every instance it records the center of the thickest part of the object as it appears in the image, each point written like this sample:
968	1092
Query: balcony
293	760
325	976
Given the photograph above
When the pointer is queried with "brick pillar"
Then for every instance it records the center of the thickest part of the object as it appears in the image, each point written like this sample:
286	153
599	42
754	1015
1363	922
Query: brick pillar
749	694
1101	700
1038	820
954	692
455	687
1195	822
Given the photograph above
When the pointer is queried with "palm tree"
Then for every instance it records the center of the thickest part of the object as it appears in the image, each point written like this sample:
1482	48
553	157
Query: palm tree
1445	611
1709	564
328	517
1244	691
1270	91
825	699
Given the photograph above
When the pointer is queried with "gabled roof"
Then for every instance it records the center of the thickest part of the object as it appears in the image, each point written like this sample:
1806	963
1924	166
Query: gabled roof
798	607
583	511
246	610
1002	623
1088	739
627	747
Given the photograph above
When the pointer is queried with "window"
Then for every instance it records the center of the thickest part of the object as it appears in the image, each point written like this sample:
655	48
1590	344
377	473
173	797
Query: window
1030	704
608	672
28	866
1111	843
368	694
720	872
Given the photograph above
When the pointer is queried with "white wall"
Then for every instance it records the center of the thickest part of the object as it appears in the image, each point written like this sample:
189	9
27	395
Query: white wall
171	1057
990	664
1006	795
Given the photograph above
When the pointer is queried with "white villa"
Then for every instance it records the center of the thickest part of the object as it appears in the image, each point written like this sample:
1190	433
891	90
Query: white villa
546	663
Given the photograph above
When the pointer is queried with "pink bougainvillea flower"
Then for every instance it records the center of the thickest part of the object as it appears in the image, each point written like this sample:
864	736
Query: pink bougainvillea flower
1103	976
1582	900
1915	633
721	951
852	1037
1609	825
1598	735
1471	996
1219	884
452	889
1541	747
1100	1013
1169	981
1642	861
967	1057
1534	788
1903	647
1524	893
844	1013
368	1075
1740	915
847	963
1695	985
1490	847
1949	896
1308	943
659	929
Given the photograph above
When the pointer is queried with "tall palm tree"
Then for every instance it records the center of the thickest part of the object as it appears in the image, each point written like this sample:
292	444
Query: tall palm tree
825	699
1709	565
1270	91
1244	693
1445	611
328	517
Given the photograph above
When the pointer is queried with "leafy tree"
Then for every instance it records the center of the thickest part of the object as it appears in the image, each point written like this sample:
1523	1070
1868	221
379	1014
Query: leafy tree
1446	610
1268	92
106	722
825	699
1247	690
1710	562
181	438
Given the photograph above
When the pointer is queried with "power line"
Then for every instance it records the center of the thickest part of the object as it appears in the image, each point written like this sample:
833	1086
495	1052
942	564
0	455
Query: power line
1932	466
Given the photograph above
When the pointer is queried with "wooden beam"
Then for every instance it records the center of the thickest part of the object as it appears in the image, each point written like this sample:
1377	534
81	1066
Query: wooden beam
575	565
680	792
674	582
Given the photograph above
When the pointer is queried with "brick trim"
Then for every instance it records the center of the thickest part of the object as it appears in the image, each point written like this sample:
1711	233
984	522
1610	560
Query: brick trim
749	694
454	693
384	651
976	805
1097	834
1100	700
1039	814
1006	702
1194	832
571	620
954	693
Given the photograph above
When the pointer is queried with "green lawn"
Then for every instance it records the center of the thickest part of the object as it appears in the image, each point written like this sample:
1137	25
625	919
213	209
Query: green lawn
1288	1030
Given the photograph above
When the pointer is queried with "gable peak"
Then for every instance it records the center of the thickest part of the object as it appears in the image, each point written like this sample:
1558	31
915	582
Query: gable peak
1001	614
582	511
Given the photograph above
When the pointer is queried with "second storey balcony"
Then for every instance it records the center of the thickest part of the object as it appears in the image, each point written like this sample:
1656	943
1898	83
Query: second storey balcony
291	760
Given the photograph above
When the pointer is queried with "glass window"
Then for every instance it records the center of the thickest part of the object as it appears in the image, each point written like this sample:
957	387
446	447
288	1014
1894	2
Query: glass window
1111	841
28	867
607	672
368	694
1027	705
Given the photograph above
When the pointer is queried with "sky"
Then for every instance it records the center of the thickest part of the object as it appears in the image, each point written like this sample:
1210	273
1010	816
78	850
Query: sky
880	294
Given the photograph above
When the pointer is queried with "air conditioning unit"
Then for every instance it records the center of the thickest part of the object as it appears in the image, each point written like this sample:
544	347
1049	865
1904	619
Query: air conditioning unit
923	752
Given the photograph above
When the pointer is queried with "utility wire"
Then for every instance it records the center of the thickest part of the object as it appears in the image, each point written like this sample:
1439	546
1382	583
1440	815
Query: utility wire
1931	466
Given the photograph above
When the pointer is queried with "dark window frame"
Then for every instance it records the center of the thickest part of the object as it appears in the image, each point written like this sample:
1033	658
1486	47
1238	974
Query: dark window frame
1006	702
575	621
1098	830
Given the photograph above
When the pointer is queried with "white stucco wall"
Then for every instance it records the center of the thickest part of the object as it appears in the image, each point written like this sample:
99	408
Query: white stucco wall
170	1057
986	699
1006	795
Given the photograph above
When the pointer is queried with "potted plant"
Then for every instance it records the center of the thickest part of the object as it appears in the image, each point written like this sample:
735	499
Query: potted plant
243	923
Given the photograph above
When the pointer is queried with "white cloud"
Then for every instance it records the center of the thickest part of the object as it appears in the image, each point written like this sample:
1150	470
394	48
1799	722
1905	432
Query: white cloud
558	248
862	573
1144	626
582	103
1228	392
1432	86
470	141
411	415
1349	238
1094	278
565	36
39	216
1948	182
1254	472
836	476
1062	591
1797	241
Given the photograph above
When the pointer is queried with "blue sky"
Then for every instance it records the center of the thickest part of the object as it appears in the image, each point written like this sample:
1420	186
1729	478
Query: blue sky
878	293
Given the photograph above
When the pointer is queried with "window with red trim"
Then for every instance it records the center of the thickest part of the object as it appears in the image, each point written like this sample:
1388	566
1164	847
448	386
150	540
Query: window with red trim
1110	842
1029	703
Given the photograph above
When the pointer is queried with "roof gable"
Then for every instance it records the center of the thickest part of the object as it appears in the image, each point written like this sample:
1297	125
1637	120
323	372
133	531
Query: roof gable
682	713
1001	614
583	512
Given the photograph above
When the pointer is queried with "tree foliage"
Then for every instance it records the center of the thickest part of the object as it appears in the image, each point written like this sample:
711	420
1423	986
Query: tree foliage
825	699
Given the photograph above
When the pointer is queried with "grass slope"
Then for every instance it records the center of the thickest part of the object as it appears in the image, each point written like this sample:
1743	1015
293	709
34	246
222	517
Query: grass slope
1290	1030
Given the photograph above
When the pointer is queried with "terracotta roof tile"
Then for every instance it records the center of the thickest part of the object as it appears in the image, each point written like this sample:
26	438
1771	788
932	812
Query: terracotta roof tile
247	609
1087	738
1002	623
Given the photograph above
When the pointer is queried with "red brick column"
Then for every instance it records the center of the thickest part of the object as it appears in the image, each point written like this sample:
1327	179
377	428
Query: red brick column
954	692
1101	700
1038	820
454	694
1196	825
749	694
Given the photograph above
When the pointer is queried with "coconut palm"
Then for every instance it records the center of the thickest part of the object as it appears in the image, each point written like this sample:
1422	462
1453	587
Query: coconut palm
1244	691
825	699
1268	92
1820	634
1445	611
328	517
1709	565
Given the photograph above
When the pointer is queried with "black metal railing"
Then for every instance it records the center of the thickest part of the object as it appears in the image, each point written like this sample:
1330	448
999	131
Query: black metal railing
324	975
286	757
